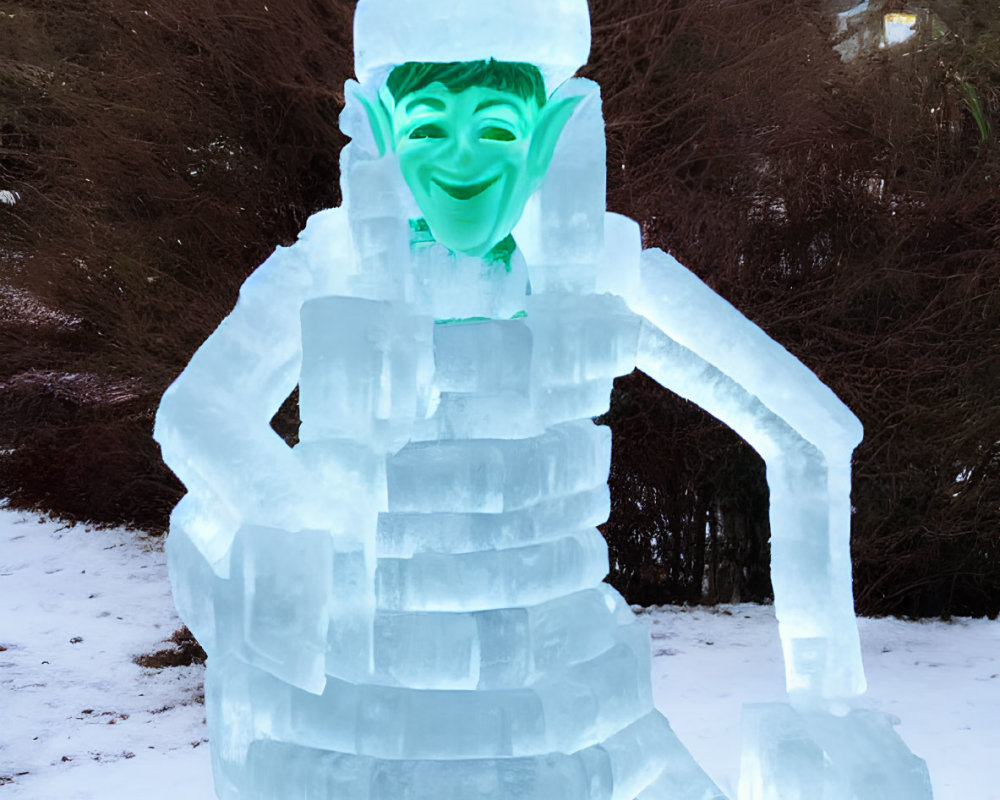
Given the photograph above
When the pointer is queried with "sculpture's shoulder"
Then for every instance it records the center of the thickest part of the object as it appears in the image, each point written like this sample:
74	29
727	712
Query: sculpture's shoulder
616	268
319	259
627	265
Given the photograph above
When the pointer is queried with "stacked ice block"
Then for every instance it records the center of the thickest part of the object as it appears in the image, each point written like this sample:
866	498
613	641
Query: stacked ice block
500	666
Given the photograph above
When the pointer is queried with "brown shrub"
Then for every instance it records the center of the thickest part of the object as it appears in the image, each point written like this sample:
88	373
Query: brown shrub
850	210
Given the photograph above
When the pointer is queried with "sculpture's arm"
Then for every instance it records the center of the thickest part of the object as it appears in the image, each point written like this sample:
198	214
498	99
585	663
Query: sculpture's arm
675	300
267	553
696	344
213	421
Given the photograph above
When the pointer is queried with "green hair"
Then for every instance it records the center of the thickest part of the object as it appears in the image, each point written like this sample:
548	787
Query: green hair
523	80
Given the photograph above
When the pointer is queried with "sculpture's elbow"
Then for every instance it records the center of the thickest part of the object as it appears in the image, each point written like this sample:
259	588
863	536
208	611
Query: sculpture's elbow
181	422
165	426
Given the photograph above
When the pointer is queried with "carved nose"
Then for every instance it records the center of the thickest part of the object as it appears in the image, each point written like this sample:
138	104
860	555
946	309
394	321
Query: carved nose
462	155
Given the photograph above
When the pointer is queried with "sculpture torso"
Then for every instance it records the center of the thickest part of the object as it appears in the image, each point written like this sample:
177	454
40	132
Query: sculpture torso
505	473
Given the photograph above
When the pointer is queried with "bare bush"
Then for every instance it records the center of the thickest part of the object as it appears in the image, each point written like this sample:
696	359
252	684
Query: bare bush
158	153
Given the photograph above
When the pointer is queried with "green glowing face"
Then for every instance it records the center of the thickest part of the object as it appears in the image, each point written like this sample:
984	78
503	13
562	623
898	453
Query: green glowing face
466	158
471	157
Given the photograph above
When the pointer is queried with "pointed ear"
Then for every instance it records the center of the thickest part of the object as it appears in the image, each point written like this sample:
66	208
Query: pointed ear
380	121
549	127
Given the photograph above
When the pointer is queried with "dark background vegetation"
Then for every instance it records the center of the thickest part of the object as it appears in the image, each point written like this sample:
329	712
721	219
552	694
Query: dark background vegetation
161	149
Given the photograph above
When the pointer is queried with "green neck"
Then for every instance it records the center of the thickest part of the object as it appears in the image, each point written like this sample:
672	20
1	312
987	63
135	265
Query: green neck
421	237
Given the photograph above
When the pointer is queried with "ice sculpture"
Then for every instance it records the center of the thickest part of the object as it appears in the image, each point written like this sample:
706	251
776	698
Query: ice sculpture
408	604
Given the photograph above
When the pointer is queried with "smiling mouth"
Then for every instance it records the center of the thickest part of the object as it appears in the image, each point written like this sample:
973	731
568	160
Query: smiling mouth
466	191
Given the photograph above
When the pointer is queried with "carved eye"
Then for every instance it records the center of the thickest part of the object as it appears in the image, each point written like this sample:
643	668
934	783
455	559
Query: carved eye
496	134
427	132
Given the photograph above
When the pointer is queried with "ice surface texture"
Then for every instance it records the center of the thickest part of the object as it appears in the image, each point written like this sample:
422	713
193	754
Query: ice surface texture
795	755
408	604
554	35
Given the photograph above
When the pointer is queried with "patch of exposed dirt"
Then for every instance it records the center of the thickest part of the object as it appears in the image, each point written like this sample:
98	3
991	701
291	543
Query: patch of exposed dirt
183	651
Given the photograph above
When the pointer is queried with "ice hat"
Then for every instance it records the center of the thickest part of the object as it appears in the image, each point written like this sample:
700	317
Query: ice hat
554	35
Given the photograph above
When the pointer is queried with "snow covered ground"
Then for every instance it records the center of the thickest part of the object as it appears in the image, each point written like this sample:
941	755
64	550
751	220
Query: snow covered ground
79	720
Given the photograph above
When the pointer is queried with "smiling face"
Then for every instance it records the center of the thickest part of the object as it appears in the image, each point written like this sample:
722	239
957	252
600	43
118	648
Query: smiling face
465	157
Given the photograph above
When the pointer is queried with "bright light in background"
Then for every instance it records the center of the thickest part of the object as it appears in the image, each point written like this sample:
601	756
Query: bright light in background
899	27
8	197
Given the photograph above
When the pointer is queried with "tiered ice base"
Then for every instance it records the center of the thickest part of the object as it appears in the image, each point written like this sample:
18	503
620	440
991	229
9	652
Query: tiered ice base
533	702
293	745
616	769
489	661
498	665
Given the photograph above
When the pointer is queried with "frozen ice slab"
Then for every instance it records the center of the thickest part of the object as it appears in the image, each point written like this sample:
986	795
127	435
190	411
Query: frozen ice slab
608	771
491	476
346	466
492	578
456	288
482	377
505	415
581	338
556	404
491	356
562	228
285	601
509	379
391	32
499	649
426	650
676	775
574	628
578	707
803	755
596	698
366	370
193	581
382	244
400	534
288	629
681	779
